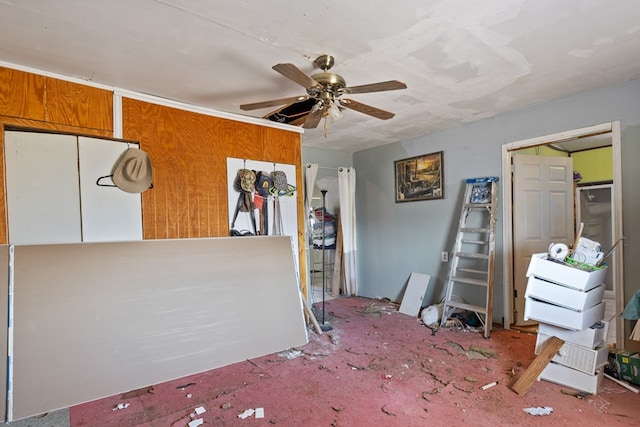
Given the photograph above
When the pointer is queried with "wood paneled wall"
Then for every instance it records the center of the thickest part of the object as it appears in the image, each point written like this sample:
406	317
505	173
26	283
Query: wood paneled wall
188	150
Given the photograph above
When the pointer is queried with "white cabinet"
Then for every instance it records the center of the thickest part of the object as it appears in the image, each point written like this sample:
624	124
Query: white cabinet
108	213
43	200
52	194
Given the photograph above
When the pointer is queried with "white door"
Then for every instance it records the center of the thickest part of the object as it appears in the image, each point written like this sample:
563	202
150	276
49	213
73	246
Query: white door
43	201
542	214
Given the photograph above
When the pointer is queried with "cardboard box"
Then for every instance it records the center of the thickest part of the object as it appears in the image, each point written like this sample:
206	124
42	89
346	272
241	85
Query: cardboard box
583	359
629	366
562	317
563	375
563	274
590	337
563	296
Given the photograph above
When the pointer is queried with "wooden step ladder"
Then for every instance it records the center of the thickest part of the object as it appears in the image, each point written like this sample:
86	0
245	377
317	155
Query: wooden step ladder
472	263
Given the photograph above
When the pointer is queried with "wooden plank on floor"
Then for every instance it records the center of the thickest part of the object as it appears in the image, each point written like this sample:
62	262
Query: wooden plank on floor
4	312
337	265
309	312
551	348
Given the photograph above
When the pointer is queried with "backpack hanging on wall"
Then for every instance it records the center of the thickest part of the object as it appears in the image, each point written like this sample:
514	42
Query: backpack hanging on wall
264	185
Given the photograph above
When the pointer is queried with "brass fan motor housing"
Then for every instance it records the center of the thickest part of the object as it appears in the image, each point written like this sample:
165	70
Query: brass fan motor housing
332	84
330	80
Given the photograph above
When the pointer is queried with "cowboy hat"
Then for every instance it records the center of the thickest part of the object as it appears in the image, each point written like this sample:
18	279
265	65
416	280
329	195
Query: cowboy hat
133	172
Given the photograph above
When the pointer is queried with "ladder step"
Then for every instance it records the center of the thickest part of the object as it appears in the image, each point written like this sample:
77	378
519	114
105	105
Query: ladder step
477	205
469	270
474	230
463	306
468	255
475	242
470	281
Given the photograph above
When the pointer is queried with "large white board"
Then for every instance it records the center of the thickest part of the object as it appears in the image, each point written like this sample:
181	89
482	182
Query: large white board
96	319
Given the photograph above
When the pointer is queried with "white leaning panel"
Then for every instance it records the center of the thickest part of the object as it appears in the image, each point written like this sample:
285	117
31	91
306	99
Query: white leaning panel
96	319
414	294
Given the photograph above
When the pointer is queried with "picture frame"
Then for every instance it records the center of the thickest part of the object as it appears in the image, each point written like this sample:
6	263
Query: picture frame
420	178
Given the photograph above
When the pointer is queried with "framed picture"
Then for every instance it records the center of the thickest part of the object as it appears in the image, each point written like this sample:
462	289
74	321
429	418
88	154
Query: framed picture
420	178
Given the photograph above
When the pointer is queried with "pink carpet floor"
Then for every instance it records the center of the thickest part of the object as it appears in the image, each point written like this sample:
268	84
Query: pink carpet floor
377	367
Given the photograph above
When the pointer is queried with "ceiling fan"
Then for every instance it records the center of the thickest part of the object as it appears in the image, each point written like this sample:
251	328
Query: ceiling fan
323	98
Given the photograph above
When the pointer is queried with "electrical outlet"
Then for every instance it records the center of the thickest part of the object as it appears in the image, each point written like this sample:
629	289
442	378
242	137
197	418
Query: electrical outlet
444	256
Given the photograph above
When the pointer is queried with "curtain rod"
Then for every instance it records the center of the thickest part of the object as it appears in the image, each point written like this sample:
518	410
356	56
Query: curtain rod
332	169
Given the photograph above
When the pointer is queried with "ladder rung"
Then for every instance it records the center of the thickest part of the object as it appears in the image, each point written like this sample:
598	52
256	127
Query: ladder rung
469	270
463	306
468	255
475	230
470	281
475	242
477	205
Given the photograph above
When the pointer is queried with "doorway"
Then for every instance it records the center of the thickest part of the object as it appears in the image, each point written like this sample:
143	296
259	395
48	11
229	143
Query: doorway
579	139
594	209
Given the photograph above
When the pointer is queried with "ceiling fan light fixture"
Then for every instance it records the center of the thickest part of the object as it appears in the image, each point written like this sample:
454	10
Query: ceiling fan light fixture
334	112
317	106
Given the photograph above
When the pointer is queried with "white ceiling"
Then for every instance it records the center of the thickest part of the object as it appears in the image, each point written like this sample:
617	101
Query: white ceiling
462	60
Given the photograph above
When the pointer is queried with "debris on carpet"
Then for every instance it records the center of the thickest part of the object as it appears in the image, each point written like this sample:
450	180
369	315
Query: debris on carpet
538	411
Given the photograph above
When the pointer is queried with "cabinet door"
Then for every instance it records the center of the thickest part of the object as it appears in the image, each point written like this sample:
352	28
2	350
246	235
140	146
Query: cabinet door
43	199
108	213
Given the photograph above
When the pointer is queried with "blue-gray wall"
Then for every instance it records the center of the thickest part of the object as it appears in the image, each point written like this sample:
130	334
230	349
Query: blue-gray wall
395	239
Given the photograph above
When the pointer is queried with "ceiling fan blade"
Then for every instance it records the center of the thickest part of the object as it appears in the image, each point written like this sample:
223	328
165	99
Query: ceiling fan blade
292	72
376	87
299	121
293	113
314	117
272	103
366	109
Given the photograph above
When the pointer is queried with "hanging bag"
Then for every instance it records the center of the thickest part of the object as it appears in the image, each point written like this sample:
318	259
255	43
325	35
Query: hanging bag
243	205
264	184
277	217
